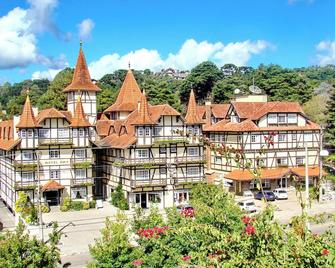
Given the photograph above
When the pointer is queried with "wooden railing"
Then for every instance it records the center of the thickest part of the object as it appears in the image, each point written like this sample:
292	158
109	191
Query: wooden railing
45	141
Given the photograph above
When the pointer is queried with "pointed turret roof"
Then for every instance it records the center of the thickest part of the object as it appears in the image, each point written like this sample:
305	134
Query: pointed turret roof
192	117
27	118
128	96
143	116
81	78
79	119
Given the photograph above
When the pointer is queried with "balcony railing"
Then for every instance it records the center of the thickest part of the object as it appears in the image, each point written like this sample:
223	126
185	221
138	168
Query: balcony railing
25	185
188	179
190	159
25	165
47	141
149	182
170	139
85	162
82	182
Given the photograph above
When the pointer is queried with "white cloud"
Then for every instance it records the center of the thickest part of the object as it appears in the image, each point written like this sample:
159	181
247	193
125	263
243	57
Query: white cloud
85	29
326	52
48	74
18	35
189	55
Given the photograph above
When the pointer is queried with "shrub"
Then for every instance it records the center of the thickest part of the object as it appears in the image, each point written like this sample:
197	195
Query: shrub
92	203
77	205
118	198
26	208
66	204
45	208
86	205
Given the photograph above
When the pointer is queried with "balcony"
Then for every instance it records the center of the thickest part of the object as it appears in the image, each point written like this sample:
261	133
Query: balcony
199	159
180	180
25	185
81	162
53	141
145	162
25	165
161	140
149	182
82	182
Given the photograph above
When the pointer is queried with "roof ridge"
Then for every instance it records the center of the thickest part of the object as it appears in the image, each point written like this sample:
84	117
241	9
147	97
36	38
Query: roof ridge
27	118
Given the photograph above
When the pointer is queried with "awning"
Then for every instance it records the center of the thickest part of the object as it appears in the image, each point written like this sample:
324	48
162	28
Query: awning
52	185
273	173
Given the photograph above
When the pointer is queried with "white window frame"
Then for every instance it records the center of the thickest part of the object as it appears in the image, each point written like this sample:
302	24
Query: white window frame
79	153
192	171
63	133
294	137
142	174
272	119
81	132
281	117
140	132
27	153
27	176
157	131
30	133
80	173
192	151
300	160
54	174
217	160
81	190
147	132
281	137
54	153
142	153
44	133
23	133
74	133
292	118
253	138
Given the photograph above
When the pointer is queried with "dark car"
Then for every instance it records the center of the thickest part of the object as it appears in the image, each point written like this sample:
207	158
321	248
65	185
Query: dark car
268	195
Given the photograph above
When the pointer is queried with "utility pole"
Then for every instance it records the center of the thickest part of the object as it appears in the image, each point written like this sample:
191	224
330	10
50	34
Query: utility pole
39	197
323	153
306	186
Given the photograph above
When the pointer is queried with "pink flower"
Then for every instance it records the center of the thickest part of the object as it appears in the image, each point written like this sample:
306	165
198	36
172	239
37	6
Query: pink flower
186	258
138	262
250	230
152	232
325	252
187	212
246	219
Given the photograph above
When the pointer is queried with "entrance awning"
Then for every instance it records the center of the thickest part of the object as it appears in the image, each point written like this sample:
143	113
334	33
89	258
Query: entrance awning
312	171
52	185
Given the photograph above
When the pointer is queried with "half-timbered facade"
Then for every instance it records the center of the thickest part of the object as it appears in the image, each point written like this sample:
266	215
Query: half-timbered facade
249	124
145	152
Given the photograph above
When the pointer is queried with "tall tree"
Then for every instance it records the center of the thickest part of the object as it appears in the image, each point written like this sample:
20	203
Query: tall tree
330	130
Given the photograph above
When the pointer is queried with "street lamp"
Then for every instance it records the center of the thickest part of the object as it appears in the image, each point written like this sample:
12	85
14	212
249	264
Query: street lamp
323	153
39	153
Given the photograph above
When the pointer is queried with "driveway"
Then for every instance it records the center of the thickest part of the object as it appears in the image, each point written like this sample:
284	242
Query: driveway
6	217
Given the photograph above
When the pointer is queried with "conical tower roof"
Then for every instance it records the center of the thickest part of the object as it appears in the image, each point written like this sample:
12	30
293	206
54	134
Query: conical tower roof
192	118
27	118
79	119
128	96
143	116
81	80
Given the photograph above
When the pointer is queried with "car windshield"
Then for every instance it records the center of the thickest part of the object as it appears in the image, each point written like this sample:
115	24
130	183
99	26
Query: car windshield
250	204
282	192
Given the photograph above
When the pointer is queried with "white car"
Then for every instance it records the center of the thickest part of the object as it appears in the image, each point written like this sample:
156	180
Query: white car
248	194
247	205
280	193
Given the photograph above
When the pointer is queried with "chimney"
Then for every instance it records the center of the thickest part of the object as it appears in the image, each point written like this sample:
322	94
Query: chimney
138	105
35	111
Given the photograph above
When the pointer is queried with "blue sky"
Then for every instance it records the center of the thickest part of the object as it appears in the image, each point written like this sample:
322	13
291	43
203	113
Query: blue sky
40	37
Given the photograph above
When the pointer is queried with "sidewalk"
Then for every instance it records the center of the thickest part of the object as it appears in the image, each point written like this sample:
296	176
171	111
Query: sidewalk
6	217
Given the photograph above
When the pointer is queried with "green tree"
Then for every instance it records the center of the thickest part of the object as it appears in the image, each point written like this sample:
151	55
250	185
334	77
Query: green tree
330	129
118	198
54	97
316	109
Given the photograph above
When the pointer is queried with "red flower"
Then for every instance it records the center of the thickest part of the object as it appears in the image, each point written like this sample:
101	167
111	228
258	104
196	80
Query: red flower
186	258
246	219
250	230
187	212
325	252
138	262
152	232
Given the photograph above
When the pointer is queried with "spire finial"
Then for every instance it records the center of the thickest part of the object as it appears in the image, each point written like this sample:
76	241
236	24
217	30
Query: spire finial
129	65
81	43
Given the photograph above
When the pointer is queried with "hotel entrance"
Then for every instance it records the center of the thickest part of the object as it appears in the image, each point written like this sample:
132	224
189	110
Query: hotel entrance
52	197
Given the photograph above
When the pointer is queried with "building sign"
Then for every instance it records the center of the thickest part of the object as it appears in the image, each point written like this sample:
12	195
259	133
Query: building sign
56	162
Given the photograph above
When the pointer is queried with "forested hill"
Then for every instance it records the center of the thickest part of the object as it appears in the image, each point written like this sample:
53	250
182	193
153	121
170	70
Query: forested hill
309	86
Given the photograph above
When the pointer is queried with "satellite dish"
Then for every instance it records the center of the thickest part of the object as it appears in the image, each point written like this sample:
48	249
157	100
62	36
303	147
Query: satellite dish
237	91
255	89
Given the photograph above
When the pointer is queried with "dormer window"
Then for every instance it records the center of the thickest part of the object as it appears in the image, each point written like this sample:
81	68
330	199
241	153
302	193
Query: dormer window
147	131
140	132
282	118
30	133
234	118
23	133
272	119
292	119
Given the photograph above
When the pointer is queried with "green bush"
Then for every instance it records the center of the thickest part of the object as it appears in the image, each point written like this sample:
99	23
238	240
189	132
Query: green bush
66	204
45	208
92	203
118	198
86	205
77	205
64	208
26	208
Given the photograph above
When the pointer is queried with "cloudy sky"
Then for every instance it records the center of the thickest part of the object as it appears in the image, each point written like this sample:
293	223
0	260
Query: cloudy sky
40	37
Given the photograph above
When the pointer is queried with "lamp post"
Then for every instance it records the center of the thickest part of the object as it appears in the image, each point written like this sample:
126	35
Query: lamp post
39	196
306	186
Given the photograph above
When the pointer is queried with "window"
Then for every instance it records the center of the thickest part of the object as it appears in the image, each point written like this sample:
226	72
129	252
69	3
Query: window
75	133
196	130
30	133
54	174
63	133
173	149
44	133
218	160
234	118
147	131
292	119
154	198
294	137
27	176
140	132
142	174
54	153
162	170
192	171
79	153
193	151
27	155
281	137
80	173
157	131
253	138
281	118
265	184
282	161
23	133
300	160
272	119
162	149
308	137
142	153
81	132
78	193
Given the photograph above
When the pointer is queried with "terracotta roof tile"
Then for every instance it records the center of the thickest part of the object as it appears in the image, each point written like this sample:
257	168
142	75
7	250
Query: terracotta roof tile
116	141
81	78
128	96
192	117
49	113
312	171
220	110
7	141
67	114
143	117
79	118
27	118
103	127
52	185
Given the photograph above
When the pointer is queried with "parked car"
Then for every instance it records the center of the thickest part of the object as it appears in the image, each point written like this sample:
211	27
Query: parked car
248	194
247	205
280	194
268	195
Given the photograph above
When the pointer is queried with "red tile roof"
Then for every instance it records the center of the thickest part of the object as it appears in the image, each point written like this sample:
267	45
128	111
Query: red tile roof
116	141
128	96
49	113
143	117
192	117
27	118
7	141
79	118
52	185
81	80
